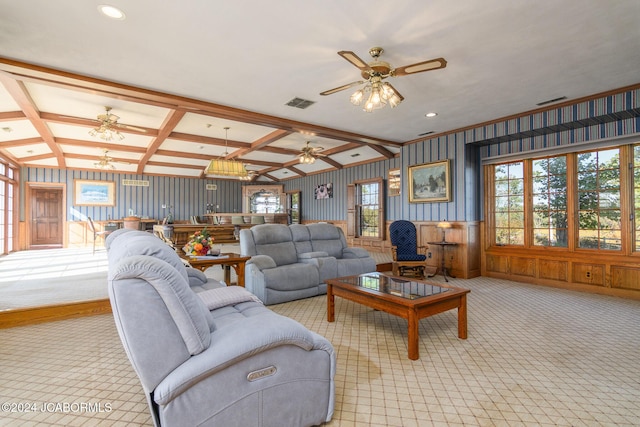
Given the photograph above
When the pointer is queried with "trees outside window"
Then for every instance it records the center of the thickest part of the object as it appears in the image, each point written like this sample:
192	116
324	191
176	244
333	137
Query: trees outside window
365	209
532	200
550	202
509	204
599	214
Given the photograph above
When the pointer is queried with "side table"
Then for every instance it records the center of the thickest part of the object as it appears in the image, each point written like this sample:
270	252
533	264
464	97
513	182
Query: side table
442	268
230	260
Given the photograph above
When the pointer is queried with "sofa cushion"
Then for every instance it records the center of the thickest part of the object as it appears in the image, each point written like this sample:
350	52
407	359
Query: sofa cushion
275	241
292	277
187	310
230	295
301	238
142	243
326	238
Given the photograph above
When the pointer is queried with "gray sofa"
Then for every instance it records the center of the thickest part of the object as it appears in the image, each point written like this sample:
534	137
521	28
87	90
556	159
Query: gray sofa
294	261
217	357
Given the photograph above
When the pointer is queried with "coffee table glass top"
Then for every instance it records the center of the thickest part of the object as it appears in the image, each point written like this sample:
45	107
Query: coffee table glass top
403	288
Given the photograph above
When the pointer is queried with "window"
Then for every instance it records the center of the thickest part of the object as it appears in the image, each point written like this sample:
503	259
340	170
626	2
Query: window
368	208
365	209
509	204
599	215
550	202
532	200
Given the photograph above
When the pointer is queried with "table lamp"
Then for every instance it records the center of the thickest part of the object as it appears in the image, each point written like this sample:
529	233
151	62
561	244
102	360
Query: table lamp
444	225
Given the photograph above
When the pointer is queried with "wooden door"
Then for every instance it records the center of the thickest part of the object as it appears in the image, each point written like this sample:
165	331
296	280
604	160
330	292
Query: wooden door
46	217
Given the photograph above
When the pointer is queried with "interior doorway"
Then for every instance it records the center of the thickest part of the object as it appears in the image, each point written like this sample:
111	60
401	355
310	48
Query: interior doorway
46	221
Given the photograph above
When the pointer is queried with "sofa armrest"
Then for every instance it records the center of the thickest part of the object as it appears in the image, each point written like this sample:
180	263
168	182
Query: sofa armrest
262	262
246	338
355	253
196	277
309	255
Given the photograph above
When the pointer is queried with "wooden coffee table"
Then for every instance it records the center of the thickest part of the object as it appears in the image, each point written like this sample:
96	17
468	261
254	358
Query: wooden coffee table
407	298
232	260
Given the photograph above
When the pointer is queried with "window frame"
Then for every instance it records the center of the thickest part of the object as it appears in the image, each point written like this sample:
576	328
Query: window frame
354	207
628	246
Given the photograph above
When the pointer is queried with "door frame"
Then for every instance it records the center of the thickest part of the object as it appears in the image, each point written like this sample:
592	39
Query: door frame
29	187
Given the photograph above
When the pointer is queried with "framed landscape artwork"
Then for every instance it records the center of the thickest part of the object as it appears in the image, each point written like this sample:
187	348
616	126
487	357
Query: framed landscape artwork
94	193
430	182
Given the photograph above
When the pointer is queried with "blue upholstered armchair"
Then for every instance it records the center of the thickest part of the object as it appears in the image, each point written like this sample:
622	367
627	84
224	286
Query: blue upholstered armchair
404	247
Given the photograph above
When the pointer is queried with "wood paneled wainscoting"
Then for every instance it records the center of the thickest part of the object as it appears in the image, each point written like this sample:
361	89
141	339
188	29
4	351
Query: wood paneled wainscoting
462	260
609	274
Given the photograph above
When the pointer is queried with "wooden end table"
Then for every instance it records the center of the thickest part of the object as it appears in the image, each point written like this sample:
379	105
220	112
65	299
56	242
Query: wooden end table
231	260
410	299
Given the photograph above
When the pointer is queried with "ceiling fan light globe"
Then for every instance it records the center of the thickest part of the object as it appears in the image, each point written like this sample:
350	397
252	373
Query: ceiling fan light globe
357	97
394	101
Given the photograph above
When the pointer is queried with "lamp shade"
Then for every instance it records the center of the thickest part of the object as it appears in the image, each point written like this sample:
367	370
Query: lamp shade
444	224
226	168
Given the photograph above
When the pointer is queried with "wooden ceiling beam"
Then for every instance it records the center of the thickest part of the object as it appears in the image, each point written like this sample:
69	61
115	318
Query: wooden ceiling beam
120	91
29	159
262	143
21	96
175	165
92	123
12	115
168	125
97	158
22	142
332	162
200	139
100	144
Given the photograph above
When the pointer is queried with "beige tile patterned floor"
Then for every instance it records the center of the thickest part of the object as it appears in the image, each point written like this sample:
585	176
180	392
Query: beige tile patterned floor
535	356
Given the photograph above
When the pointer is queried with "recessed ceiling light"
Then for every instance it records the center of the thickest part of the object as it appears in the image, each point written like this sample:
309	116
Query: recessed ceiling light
431	114
111	12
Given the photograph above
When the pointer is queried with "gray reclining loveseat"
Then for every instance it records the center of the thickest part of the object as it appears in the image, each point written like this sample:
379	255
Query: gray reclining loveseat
217	357
293	262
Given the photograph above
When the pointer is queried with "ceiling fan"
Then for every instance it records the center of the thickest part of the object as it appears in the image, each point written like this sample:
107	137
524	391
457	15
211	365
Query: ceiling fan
309	154
374	72
106	162
108	127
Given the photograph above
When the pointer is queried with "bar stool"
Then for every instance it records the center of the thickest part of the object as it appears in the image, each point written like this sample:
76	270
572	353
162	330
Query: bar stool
131	222
237	221
257	219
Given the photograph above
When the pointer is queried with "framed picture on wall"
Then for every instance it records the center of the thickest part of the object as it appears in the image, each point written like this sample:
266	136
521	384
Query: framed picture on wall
324	191
393	182
430	182
94	193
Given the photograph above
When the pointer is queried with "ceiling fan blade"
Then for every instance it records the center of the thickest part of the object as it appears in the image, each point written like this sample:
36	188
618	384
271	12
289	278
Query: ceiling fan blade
432	64
354	59
343	87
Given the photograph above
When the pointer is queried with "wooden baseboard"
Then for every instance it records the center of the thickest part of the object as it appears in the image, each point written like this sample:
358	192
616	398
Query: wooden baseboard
49	313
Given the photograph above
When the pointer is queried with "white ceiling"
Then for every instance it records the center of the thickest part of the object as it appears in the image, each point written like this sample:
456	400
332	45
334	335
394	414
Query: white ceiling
503	58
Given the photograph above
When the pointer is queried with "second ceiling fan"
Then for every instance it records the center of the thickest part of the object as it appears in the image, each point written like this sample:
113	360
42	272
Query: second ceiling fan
377	92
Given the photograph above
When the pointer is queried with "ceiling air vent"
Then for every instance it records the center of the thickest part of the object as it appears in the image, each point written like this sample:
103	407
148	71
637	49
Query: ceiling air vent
551	101
300	103
426	133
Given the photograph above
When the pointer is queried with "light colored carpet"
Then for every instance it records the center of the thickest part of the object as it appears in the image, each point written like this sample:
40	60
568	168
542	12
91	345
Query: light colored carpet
535	356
